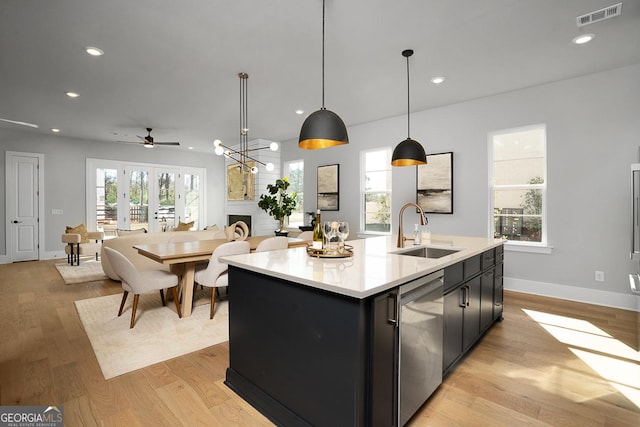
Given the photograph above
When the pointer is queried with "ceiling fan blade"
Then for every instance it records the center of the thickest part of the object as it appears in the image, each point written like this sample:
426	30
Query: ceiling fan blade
166	143
16	122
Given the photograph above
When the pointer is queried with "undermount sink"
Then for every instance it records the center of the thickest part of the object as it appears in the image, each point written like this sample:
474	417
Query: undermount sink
426	252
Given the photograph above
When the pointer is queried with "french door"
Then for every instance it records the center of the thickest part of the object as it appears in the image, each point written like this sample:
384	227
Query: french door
131	196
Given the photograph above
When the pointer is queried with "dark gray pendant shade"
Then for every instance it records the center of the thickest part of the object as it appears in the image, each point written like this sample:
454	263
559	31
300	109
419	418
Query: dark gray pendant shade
409	152
322	129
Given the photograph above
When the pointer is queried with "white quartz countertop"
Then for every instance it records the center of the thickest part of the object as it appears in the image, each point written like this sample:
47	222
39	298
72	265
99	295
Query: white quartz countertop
375	266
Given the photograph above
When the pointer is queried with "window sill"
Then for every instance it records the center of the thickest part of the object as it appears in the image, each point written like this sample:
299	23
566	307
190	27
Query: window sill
530	248
365	234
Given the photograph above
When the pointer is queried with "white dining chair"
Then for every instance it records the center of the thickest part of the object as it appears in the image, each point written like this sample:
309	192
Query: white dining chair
272	244
307	236
140	282
215	274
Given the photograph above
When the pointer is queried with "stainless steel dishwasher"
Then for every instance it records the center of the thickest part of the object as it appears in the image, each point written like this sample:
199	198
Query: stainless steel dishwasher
420	317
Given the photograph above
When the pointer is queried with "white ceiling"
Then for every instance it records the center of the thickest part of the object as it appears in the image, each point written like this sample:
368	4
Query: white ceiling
173	65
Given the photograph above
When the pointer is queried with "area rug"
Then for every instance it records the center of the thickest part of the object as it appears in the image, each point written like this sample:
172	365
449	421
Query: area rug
87	271
158	334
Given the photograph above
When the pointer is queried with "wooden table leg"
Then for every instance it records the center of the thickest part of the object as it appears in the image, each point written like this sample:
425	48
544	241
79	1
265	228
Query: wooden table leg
186	284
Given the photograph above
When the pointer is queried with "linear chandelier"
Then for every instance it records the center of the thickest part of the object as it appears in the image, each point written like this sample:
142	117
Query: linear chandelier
242	155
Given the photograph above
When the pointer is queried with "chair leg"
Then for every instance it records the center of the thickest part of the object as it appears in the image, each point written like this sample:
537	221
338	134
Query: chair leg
133	312
162	297
124	299
213	301
175	298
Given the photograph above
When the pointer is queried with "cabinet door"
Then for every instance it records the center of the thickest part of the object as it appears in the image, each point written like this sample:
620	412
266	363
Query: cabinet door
486	299
383	358
497	291
452	338
471	326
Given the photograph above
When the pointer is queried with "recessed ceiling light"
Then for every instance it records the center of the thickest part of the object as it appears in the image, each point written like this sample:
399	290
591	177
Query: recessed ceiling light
583	38
55	130
72	94
93	51
437	80
190	148
299	112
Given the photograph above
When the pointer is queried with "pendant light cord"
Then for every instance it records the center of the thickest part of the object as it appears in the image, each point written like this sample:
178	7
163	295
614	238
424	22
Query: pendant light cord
323	8
408	107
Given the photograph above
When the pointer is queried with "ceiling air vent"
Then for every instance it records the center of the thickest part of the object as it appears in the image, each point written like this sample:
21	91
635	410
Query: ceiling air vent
599	15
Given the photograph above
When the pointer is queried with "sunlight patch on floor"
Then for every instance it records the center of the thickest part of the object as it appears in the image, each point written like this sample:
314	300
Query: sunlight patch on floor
613	360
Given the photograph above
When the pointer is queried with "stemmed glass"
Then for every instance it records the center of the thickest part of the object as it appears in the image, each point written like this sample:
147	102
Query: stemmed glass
343	233
331	238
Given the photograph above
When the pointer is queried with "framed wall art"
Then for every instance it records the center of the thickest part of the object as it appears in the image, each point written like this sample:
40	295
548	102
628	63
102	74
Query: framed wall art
240	182
329	187
435	184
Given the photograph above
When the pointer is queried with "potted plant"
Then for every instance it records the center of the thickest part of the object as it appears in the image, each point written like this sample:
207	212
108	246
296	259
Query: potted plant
278	203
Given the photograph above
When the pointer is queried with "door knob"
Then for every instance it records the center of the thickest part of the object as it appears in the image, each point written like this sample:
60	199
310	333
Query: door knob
16	222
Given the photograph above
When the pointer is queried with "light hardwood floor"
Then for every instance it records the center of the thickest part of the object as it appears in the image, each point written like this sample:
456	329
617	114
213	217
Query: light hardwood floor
530	369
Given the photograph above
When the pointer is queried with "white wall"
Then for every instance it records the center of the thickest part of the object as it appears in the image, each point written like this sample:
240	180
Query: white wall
593	135
65	169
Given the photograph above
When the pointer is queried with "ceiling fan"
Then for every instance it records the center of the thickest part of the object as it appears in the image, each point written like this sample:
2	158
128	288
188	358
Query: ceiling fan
148	141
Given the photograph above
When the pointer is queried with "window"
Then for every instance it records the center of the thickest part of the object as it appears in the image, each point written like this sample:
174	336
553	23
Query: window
375	190
518	184
294	170
128	196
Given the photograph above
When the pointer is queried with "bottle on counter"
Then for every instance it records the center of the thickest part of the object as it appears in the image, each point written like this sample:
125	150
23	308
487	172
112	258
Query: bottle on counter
317	233
417	235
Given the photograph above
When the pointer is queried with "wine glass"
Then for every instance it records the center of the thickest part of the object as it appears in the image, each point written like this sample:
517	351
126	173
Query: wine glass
343	233
331	238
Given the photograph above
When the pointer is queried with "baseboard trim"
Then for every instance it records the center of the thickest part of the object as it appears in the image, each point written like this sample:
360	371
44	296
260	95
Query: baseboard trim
573	293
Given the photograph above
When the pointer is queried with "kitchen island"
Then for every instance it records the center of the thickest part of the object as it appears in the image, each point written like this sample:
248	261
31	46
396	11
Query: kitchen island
316	342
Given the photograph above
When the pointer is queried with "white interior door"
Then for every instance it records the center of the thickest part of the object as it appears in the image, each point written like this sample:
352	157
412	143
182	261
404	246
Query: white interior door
23	206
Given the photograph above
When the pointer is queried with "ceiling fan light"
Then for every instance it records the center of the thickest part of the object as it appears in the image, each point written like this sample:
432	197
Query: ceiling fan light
322	129
408	153
148	145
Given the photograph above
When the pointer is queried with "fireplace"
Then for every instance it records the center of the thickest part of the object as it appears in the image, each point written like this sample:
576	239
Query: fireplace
244	218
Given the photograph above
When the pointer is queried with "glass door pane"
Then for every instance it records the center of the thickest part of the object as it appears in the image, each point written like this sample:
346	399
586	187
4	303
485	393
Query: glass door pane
192	200
165	201
139	200
107	201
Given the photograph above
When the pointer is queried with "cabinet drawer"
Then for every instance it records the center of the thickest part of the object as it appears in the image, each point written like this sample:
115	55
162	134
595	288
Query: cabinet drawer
472	266
488	259
499	253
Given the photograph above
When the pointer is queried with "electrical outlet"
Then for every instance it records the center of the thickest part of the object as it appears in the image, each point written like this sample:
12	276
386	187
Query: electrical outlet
599	276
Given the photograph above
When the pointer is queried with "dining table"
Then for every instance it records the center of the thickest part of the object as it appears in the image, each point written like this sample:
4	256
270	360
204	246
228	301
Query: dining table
182	258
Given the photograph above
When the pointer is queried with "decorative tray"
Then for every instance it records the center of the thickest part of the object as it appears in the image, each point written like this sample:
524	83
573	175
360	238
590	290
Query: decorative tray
321	253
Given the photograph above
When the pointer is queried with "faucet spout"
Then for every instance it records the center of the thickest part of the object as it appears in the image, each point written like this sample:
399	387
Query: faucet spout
401	238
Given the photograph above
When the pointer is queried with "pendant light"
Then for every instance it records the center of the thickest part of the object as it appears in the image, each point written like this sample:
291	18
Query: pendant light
242	155
409	152
323	128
